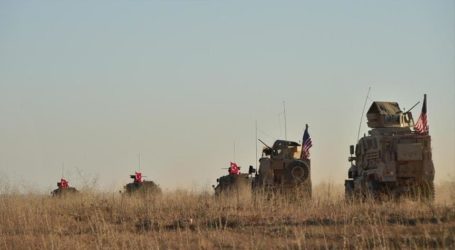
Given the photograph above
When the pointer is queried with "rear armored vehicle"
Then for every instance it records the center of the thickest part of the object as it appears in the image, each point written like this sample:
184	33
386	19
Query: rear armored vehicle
395	158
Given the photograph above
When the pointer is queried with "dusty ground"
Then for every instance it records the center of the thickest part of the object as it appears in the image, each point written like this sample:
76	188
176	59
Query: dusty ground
200	221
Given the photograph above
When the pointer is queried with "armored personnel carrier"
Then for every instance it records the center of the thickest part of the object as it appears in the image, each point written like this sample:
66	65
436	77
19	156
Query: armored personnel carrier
141	186
63	188
235	182
283	169
394	159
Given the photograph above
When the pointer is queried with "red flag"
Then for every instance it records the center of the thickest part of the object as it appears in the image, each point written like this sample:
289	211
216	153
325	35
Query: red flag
234	169
63	183
421	127
138	177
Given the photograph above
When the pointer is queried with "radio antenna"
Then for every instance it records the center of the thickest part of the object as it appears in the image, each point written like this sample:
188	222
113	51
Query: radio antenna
139	161
256	141
234	150
363	112
285	122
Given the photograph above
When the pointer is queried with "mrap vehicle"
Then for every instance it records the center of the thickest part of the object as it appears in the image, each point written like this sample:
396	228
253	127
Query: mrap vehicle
283	170
393	160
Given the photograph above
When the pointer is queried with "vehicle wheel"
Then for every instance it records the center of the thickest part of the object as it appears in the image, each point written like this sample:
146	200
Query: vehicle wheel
374	189
349	190
297	172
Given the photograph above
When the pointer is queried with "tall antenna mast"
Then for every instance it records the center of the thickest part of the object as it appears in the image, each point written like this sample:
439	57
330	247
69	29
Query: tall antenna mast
363	111
139	161
285	125
256	141
234	151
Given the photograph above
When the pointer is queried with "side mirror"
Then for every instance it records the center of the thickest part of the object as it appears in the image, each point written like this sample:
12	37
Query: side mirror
251	170
351	149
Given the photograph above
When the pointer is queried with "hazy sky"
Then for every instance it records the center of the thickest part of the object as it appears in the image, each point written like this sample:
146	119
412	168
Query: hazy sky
92	83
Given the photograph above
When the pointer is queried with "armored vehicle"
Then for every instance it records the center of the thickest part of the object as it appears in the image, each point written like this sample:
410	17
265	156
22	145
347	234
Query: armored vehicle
235	182
394	159
283	169
63	188
141	186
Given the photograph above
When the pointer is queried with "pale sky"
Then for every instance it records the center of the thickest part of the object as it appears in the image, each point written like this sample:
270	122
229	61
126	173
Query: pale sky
90	84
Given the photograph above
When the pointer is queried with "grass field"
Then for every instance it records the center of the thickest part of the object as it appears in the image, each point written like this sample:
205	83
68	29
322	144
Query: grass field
188	220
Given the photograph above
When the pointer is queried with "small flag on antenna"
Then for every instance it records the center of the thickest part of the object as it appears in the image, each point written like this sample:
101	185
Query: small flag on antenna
234	169
421	127
138	177
306	144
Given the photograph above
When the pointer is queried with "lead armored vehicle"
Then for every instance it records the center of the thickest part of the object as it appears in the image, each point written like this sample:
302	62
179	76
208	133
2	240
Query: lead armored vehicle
394	159
282	169
140	186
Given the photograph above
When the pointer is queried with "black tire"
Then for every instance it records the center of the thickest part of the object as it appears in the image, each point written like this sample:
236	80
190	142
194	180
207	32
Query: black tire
349	190
373	189
297	172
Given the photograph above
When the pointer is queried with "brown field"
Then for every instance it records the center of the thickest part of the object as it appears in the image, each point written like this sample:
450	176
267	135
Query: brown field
184	220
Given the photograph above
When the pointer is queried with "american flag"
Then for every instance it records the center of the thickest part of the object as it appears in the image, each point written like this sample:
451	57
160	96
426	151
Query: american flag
421	127
306	144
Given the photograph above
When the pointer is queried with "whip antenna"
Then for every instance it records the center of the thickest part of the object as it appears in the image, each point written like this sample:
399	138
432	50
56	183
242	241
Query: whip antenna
363	111
234	150
256	141
285	122
139	162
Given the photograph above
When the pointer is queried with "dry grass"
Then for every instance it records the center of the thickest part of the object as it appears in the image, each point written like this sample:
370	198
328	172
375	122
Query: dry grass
199	221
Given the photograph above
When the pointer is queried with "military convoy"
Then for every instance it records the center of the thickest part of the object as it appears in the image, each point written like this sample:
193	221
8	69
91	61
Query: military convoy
393	160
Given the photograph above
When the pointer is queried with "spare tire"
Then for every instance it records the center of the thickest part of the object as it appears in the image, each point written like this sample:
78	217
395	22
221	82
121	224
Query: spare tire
297	172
